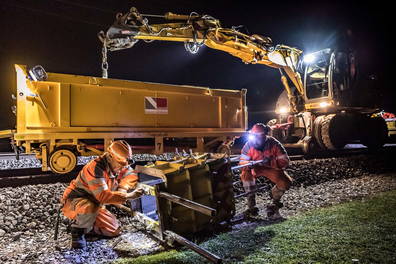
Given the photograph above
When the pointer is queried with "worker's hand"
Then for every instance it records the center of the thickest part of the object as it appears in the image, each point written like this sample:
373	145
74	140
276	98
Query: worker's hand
266	162
247	168
135	194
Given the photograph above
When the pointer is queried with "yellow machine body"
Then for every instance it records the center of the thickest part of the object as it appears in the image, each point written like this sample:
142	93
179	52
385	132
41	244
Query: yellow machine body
71	103
65	110
206	180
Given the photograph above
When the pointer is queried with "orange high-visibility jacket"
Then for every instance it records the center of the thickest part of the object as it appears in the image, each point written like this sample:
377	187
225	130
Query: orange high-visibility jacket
96	183
272	149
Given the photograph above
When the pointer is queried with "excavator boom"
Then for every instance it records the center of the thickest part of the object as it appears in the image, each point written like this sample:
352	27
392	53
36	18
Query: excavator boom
317	113
195	30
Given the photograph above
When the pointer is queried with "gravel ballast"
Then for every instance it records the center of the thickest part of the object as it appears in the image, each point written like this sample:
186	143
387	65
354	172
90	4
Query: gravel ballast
32	162
28	213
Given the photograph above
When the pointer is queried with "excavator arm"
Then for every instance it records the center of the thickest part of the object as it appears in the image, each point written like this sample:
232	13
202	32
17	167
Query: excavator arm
195	30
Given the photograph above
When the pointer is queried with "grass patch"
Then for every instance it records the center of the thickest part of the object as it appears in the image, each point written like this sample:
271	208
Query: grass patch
353	232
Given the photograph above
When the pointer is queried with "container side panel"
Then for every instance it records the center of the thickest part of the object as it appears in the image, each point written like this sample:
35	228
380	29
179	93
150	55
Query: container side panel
232	115
42	110
105	106
96	106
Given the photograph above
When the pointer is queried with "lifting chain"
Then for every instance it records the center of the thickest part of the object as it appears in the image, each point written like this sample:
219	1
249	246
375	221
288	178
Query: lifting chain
105	64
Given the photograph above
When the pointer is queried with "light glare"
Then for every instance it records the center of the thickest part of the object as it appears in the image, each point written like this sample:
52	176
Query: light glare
283	110
309	58
324	104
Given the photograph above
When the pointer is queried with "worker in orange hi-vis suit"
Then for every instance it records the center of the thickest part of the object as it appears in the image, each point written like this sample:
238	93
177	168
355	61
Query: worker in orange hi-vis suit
275	160
104	180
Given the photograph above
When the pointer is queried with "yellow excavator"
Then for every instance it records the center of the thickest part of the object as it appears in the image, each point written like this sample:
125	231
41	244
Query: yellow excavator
316	111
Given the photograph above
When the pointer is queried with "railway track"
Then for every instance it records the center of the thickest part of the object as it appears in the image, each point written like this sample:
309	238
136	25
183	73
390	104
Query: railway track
27	176
12	155
33	176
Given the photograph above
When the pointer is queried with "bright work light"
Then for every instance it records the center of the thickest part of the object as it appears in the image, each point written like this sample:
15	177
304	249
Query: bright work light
283	110
309	58
251	137
324	104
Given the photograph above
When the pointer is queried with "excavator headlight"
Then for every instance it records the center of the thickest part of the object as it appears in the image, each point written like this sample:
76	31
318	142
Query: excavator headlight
324	104
309	58
283	110
37	73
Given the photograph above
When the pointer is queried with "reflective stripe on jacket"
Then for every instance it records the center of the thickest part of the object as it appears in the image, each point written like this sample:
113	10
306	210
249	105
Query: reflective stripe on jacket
272	149
96	183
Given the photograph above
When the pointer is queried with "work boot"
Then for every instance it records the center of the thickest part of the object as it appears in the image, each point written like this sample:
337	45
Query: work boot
91	236
78	238
272	210
251	203
250	188
251	212
251	200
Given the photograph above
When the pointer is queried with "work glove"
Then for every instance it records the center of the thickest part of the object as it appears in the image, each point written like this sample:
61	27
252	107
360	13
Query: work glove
135	194
266	162
251	166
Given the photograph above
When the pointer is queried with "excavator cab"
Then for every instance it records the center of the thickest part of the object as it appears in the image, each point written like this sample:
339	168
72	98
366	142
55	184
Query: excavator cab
316	75
328	76
318	79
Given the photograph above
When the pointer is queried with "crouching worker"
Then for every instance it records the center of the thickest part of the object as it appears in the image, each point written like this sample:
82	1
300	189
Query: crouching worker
104	180
263	147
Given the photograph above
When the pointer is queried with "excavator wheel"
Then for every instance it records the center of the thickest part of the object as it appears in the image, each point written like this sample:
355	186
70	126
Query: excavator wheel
331	131
335	131
62	160
311	147
317	132
374	132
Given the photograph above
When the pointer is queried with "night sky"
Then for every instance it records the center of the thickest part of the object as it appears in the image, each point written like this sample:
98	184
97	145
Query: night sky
61	35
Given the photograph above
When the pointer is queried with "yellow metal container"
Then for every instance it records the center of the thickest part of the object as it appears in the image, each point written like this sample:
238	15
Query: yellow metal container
223	191
59	118
391	123
72	103
185	196
176	217
204	181
201	187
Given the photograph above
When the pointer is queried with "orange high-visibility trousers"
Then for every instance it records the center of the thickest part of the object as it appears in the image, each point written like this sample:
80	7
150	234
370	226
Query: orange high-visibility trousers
90	216
277	176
